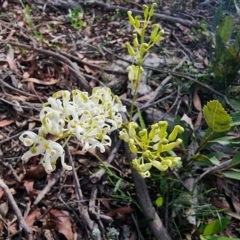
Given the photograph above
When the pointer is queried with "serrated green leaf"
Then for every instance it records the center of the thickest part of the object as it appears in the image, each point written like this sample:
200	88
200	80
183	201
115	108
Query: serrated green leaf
216	116
216	226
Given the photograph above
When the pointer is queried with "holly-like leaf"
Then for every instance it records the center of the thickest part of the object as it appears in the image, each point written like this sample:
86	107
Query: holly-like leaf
216	116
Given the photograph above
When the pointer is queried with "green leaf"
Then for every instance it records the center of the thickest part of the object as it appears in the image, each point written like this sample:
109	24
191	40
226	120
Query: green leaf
216	18
159	201
216	116
224	140
233	174
142	123
214	160
235	118
200	158
216	226
218	238
236	159
225	28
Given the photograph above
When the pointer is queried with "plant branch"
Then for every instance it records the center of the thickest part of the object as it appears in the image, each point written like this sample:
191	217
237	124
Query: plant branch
16	210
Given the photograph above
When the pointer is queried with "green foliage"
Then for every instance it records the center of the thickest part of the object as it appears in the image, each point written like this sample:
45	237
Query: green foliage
75	17
216	116
225	62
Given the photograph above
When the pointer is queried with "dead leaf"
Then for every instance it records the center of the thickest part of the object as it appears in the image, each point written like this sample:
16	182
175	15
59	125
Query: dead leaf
35	80
198	105
10	60
36	172
121	212
187	120
29	188
105	203
30	219
60	221
196	100
6	122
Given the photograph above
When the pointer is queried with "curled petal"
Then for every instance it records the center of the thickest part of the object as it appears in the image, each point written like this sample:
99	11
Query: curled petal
28	138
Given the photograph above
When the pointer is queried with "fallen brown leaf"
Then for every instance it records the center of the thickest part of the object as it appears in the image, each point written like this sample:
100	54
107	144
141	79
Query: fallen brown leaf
35	80
6	122
60	221
30	219
121	212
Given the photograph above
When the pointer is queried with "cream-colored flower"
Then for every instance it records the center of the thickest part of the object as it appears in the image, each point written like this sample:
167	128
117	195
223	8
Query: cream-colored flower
50	149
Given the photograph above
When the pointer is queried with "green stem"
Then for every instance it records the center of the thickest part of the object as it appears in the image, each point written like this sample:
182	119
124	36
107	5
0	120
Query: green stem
68	138
204	142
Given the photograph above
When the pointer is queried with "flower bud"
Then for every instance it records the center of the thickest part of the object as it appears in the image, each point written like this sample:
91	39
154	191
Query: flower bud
151	11
177	130
131	52
154	31
145	11
130	17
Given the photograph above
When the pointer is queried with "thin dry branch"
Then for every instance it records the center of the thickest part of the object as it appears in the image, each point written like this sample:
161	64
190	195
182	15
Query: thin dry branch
72	66
145	202
109	7
16	210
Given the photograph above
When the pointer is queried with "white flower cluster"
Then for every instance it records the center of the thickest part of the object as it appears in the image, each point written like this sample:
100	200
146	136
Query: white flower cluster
90	118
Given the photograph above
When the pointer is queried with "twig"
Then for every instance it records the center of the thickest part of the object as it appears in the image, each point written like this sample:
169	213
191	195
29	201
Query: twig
16	210
83	211
214	169
184	48
15	89
164	82
47	188
205	86
72	66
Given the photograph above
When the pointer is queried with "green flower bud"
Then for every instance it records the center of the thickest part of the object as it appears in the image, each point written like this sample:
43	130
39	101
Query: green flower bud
144	174
163	127
151	12
177	130
153	131
159	166
131	73
158	38
131	128
131	19
167	162
144	136
137	21
145	11
170	146
145	167
131	52
135	41
154	31
148	155
132	146
143	49
124	135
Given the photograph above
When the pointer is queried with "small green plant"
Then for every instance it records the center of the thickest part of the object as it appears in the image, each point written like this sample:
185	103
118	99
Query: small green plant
225	62
75	17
